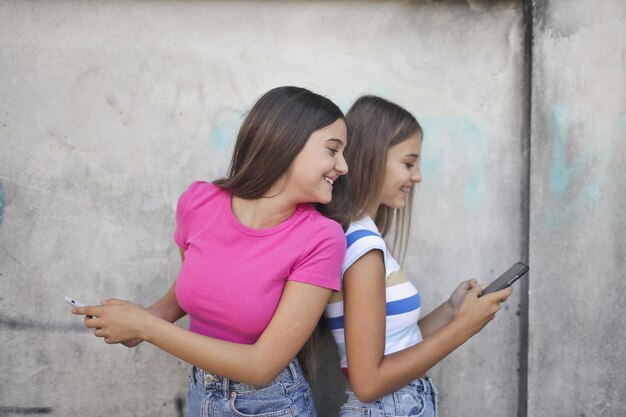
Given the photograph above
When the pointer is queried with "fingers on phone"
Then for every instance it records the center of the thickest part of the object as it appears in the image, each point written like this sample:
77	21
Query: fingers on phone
502	295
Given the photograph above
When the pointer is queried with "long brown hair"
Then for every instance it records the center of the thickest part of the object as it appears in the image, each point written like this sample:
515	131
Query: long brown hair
271	135
274	131
375	125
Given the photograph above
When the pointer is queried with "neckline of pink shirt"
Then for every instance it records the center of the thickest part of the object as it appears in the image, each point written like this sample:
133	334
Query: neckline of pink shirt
227	199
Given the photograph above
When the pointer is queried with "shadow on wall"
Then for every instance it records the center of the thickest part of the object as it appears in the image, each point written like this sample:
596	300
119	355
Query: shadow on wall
24	410
487	4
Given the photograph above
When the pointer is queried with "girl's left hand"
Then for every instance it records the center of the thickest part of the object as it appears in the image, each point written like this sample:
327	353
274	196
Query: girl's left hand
458	295
116	321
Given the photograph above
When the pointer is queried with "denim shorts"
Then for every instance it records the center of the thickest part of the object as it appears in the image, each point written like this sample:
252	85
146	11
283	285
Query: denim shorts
417	399
210	395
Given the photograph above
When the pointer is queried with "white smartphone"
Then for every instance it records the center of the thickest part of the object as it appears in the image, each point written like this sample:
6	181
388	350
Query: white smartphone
73	302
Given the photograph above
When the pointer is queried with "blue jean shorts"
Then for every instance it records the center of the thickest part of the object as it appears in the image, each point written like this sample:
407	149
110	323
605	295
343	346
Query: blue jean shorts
417	399
210	395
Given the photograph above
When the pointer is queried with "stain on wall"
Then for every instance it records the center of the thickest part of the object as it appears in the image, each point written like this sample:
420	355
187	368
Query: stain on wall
224	127
180	405
1	202
14	323
442	133
578	167
10	411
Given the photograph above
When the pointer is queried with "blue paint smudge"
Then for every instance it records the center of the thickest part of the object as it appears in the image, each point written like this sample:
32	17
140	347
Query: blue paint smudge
577	174
223	134
623	119
560	172
1	202
473	188
431	163
380	91
343	103
471	142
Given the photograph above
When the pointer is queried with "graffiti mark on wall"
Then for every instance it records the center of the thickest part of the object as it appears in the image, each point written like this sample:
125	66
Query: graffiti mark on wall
224	127
467	158
579	157
4	410
14	323
220	137
180	404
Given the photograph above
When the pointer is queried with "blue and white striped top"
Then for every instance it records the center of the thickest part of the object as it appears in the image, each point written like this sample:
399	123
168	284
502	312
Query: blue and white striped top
403	299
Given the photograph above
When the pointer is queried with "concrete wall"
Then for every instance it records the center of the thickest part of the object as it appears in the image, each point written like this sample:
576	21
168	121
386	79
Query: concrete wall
577	356
108	110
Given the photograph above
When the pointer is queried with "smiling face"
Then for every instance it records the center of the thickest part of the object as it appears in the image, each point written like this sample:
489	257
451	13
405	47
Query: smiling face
318	165
402	171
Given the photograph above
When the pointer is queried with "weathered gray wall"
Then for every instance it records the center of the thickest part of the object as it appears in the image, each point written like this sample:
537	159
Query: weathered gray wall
108	110
577	355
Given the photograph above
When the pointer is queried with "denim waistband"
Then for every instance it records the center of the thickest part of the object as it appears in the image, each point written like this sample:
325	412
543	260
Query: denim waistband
424	385
291	374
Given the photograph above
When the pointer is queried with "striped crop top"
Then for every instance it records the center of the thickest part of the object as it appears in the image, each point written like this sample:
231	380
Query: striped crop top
403	299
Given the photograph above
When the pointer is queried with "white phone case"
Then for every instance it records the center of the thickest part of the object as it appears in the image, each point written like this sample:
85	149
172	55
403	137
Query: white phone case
73	302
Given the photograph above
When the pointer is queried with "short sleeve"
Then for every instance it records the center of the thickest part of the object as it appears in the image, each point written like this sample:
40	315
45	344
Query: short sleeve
182	208
360	242
320	262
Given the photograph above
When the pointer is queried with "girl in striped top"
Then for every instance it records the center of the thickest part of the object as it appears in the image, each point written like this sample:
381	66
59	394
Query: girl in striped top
385	348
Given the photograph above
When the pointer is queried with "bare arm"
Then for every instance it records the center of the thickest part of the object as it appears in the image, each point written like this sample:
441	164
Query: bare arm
372	374
436	319
299	310
167	307
447	311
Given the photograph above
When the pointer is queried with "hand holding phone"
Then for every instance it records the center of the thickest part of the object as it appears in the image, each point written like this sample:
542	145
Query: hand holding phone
75	303
508	278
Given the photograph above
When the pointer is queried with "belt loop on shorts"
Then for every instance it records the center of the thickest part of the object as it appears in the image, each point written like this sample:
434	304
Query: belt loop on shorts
225	387
427	386
433	389
293	370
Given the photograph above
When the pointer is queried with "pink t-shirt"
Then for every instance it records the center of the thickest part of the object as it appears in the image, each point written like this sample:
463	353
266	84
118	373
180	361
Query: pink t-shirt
233	276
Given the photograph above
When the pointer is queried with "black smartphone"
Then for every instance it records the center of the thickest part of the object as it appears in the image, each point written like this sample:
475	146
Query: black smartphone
509	277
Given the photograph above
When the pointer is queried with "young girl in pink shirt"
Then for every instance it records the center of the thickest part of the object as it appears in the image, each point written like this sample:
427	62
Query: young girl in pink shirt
259	264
